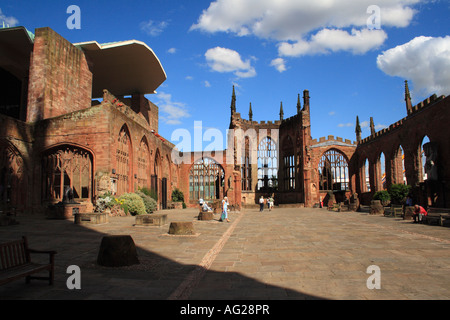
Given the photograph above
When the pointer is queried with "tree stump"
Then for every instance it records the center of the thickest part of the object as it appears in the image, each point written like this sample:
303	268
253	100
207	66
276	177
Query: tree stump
117	251
181	228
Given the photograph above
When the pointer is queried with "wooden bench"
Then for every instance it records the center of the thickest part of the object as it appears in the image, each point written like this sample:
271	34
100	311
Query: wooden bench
394	211
437	215
15	262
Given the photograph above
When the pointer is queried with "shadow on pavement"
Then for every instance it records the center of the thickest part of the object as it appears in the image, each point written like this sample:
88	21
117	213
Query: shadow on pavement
157	277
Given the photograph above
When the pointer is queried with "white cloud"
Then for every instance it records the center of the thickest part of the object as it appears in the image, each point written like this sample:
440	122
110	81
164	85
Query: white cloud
7	21
153	28
207	84
334	40
424	60
291	23
189	78
172	50
279	64
226	60
171	112
342	125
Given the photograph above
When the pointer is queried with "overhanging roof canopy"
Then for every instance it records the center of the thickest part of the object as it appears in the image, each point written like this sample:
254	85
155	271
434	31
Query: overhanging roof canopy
16	45
123	68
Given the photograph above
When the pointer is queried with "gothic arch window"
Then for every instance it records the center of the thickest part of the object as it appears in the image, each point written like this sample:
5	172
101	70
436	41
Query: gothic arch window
206	180
366	176
381	172
143	164
123	161
246	167
67	167
156	176
288	164
399	166
12	176
333	171
422	159
267	164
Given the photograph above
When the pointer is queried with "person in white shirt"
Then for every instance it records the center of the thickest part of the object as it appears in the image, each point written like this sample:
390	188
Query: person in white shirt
225	210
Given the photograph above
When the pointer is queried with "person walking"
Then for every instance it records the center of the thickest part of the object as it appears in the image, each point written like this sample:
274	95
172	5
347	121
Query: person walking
224	210
270	203
261	204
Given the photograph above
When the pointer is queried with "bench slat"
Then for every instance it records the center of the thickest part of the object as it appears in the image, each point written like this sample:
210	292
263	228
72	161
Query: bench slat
15	262
22	271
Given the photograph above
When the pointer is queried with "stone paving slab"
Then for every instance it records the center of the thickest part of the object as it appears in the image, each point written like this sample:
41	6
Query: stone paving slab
289	253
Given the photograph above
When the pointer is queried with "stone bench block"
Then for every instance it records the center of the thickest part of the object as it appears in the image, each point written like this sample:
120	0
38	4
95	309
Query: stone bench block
153	219
181	228
90	218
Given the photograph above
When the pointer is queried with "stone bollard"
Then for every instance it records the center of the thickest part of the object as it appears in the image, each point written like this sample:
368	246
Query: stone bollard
181	228
205	215
376	207
117	251
409	211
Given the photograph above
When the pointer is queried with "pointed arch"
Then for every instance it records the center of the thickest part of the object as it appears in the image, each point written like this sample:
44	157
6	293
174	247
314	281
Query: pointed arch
288	164
333	171
67	166
365	176
399	166
13	176
124	154
422	159
380	173
267	164
206	180
143	175
246	166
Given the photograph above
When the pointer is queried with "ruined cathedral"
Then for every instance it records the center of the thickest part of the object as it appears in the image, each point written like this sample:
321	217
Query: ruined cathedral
74	116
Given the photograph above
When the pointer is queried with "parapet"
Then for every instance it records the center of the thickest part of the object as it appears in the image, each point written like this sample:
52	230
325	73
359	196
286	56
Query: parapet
414	110
331	140
425	103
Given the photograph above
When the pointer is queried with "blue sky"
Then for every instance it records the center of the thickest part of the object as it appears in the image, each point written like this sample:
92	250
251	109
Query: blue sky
271	51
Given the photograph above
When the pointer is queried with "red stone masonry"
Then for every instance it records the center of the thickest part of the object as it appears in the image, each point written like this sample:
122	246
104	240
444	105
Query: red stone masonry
60	81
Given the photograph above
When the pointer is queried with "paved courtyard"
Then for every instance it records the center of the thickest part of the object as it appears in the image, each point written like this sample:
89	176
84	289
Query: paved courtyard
292	253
